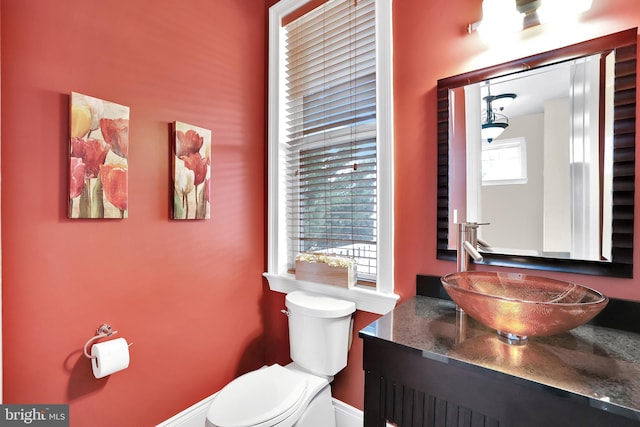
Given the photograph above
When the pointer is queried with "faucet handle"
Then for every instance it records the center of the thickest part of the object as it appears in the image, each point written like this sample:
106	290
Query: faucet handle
473	252
472	225
483	244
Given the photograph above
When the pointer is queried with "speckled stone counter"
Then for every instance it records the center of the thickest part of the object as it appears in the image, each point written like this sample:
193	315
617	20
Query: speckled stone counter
599	364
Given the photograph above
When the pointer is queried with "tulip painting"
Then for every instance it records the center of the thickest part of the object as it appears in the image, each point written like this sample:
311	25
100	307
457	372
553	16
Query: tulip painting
98	158
191	171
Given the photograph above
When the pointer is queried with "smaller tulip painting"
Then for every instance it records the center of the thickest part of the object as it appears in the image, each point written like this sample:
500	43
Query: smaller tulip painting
98	163
191	171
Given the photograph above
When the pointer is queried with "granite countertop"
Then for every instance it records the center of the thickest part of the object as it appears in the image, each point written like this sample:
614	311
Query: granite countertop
599	363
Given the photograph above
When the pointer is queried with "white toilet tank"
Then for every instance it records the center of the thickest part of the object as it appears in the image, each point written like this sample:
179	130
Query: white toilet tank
320	331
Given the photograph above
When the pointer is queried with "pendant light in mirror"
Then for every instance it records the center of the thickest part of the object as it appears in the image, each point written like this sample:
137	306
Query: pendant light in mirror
494	122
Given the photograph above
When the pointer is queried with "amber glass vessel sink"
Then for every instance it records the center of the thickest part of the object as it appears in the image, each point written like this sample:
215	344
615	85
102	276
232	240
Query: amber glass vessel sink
520	305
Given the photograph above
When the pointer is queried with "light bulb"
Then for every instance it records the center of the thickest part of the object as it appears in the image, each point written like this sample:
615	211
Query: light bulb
499	17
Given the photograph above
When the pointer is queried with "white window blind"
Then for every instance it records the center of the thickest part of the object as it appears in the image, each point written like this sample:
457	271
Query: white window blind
331	147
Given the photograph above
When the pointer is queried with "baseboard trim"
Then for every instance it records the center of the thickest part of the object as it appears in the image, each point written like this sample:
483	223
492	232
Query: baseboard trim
193	416
347	415
196	415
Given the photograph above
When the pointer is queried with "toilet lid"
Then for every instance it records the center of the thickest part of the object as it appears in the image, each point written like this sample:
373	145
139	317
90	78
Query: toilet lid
270	393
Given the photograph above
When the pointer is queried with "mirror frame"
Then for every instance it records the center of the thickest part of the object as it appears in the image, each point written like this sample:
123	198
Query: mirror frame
624	133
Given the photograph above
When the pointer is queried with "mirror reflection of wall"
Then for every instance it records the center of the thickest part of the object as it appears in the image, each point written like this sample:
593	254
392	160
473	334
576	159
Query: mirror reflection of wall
538	183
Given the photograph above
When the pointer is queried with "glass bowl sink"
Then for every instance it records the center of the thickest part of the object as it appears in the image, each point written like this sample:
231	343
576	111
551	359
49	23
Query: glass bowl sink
520	305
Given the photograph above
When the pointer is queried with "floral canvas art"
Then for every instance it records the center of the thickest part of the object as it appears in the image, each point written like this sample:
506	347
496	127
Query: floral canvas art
191	171
98	162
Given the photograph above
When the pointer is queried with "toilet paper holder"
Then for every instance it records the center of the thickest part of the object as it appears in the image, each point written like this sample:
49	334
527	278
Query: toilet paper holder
103	330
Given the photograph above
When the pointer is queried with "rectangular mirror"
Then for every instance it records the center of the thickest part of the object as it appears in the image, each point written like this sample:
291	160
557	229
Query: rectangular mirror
543	149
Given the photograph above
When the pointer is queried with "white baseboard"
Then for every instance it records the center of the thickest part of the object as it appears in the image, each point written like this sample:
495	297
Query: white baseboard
196	415
347	415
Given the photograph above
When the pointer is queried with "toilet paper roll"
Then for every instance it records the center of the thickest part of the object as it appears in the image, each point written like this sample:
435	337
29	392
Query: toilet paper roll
109	357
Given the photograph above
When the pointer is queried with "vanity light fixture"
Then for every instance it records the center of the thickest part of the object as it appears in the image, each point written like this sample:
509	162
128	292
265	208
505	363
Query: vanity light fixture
552	10
494	122
500	17
529	11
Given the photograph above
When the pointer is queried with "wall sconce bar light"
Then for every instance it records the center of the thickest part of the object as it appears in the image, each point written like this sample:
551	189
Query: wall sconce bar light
502	16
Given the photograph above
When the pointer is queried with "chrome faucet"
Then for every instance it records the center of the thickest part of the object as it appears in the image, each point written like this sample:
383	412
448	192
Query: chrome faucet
468	243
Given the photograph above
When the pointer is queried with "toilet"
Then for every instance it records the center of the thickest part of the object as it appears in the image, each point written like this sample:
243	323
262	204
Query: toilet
298	394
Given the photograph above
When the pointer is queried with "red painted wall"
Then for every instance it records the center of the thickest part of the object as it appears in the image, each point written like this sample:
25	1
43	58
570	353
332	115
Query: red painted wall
430	43
189	295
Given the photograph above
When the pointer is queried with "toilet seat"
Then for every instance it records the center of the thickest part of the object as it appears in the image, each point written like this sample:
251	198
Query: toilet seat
267	396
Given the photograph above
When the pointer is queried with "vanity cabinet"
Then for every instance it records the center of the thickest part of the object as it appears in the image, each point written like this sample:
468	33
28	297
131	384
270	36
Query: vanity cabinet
424	368
405	388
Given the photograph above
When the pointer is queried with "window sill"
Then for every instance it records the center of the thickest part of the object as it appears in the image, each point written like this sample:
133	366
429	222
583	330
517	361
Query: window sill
365	299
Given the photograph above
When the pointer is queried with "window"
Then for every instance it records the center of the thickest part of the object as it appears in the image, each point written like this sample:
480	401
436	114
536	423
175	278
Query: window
504	162
330	143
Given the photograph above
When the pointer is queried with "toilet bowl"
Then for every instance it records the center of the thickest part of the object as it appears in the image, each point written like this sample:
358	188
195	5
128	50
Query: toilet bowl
298	394
273	396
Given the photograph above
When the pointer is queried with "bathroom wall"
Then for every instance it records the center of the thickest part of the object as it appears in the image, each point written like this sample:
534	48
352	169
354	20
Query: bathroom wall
556	188
189	295
525	200
431	42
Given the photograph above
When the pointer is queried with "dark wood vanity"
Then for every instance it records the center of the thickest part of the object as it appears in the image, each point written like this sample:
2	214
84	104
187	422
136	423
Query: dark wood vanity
427	366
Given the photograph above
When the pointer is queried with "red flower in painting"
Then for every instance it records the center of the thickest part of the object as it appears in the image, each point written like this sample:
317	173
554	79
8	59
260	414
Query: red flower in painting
188	143
116	134
114	184
198	165
92	152
76	177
